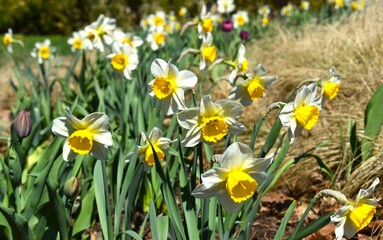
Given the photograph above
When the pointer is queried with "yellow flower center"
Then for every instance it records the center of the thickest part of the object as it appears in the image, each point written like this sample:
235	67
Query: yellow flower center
255	89
77	43
265	21
128	41
149	155
330	89
209	53
182	12
159	38
119	61
100	31
207	25
339	3
44	52
361	215
307	115
241	21
354	6
243	66
213	128
164	87
81	141
6	40
91	36
240	186
158	21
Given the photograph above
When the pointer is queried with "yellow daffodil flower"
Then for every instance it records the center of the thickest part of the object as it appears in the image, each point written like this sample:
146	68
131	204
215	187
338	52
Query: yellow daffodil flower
157	38
240	65
100	32
330	85
123	59
287	10
169	84
80	41
88	135
304	5
8	40
208	51
240	18
253	88
211	122
303	113
236	179
43	51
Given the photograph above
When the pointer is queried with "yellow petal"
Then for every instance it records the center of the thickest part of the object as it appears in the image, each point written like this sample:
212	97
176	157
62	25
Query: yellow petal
240	186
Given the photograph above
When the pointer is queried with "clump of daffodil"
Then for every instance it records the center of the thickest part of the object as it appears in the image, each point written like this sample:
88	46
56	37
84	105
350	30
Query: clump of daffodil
225	6
353	216
80	41
208	51
240	64
304	5
169	85
356	5
330	85
158	143
83	136
43	51
8	40
100	32
253	88
264	11
303	113
240	19
236	178
157	38
127	38
211	122
123	59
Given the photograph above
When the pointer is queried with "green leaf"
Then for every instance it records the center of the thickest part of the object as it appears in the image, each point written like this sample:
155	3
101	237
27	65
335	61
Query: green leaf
84	219
314	226
153	221
163	227
18	224
282	228
271	137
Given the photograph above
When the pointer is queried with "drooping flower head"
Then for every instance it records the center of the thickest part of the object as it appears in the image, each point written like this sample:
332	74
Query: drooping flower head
80	41
303	112
159	143
354	216
211	122
240	64
123	59
236	179
208	51
240	19
225	6
169	84
100	32
330	84
43	51
83	136
8	40
253	88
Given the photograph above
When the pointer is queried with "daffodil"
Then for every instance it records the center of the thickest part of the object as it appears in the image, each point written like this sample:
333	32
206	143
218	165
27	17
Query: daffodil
159	143
43	51
127	38
330	85
253	88
100	31
264	11
265	21
304	5
225	6
354	216
123	59
79	41
236	179
240	18
169	84
208	51
206	23
356	4
8	40
303	113
240	64
287	10
157	38
182	12
88	135
158	19
211	122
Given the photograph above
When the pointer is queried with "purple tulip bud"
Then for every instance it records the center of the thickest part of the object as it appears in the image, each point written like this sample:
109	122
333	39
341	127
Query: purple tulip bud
22	124
71	187
227	26
244	35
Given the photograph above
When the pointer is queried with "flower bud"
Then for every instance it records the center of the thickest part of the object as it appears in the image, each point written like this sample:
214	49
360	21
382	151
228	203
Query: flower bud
71	187
22	124
227	26
244	35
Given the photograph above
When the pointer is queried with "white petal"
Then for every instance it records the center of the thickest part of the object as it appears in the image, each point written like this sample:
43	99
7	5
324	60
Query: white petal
366	193
227	203
68	154
99	151
188	118
97	121
231	109
186	79
193	137
287	113
159	68
155	134
178	100
73	121
103	137
59	127
349	230
235	155
339	230
214	176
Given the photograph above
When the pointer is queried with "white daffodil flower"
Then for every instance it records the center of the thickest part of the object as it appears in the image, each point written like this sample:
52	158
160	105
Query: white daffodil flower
80	41
206	23
169	84
127	38
287	10
100	32
43	51
241	64
208	51
303	112
304	5
253	88
158	19
240	19
354	216
159	143
330	85
88	135
211	122
264	11
225	6
123	59
236	179
156	38
8	40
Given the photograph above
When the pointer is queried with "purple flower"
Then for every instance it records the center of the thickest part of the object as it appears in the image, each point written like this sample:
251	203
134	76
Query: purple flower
244	35
227	26
22	124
